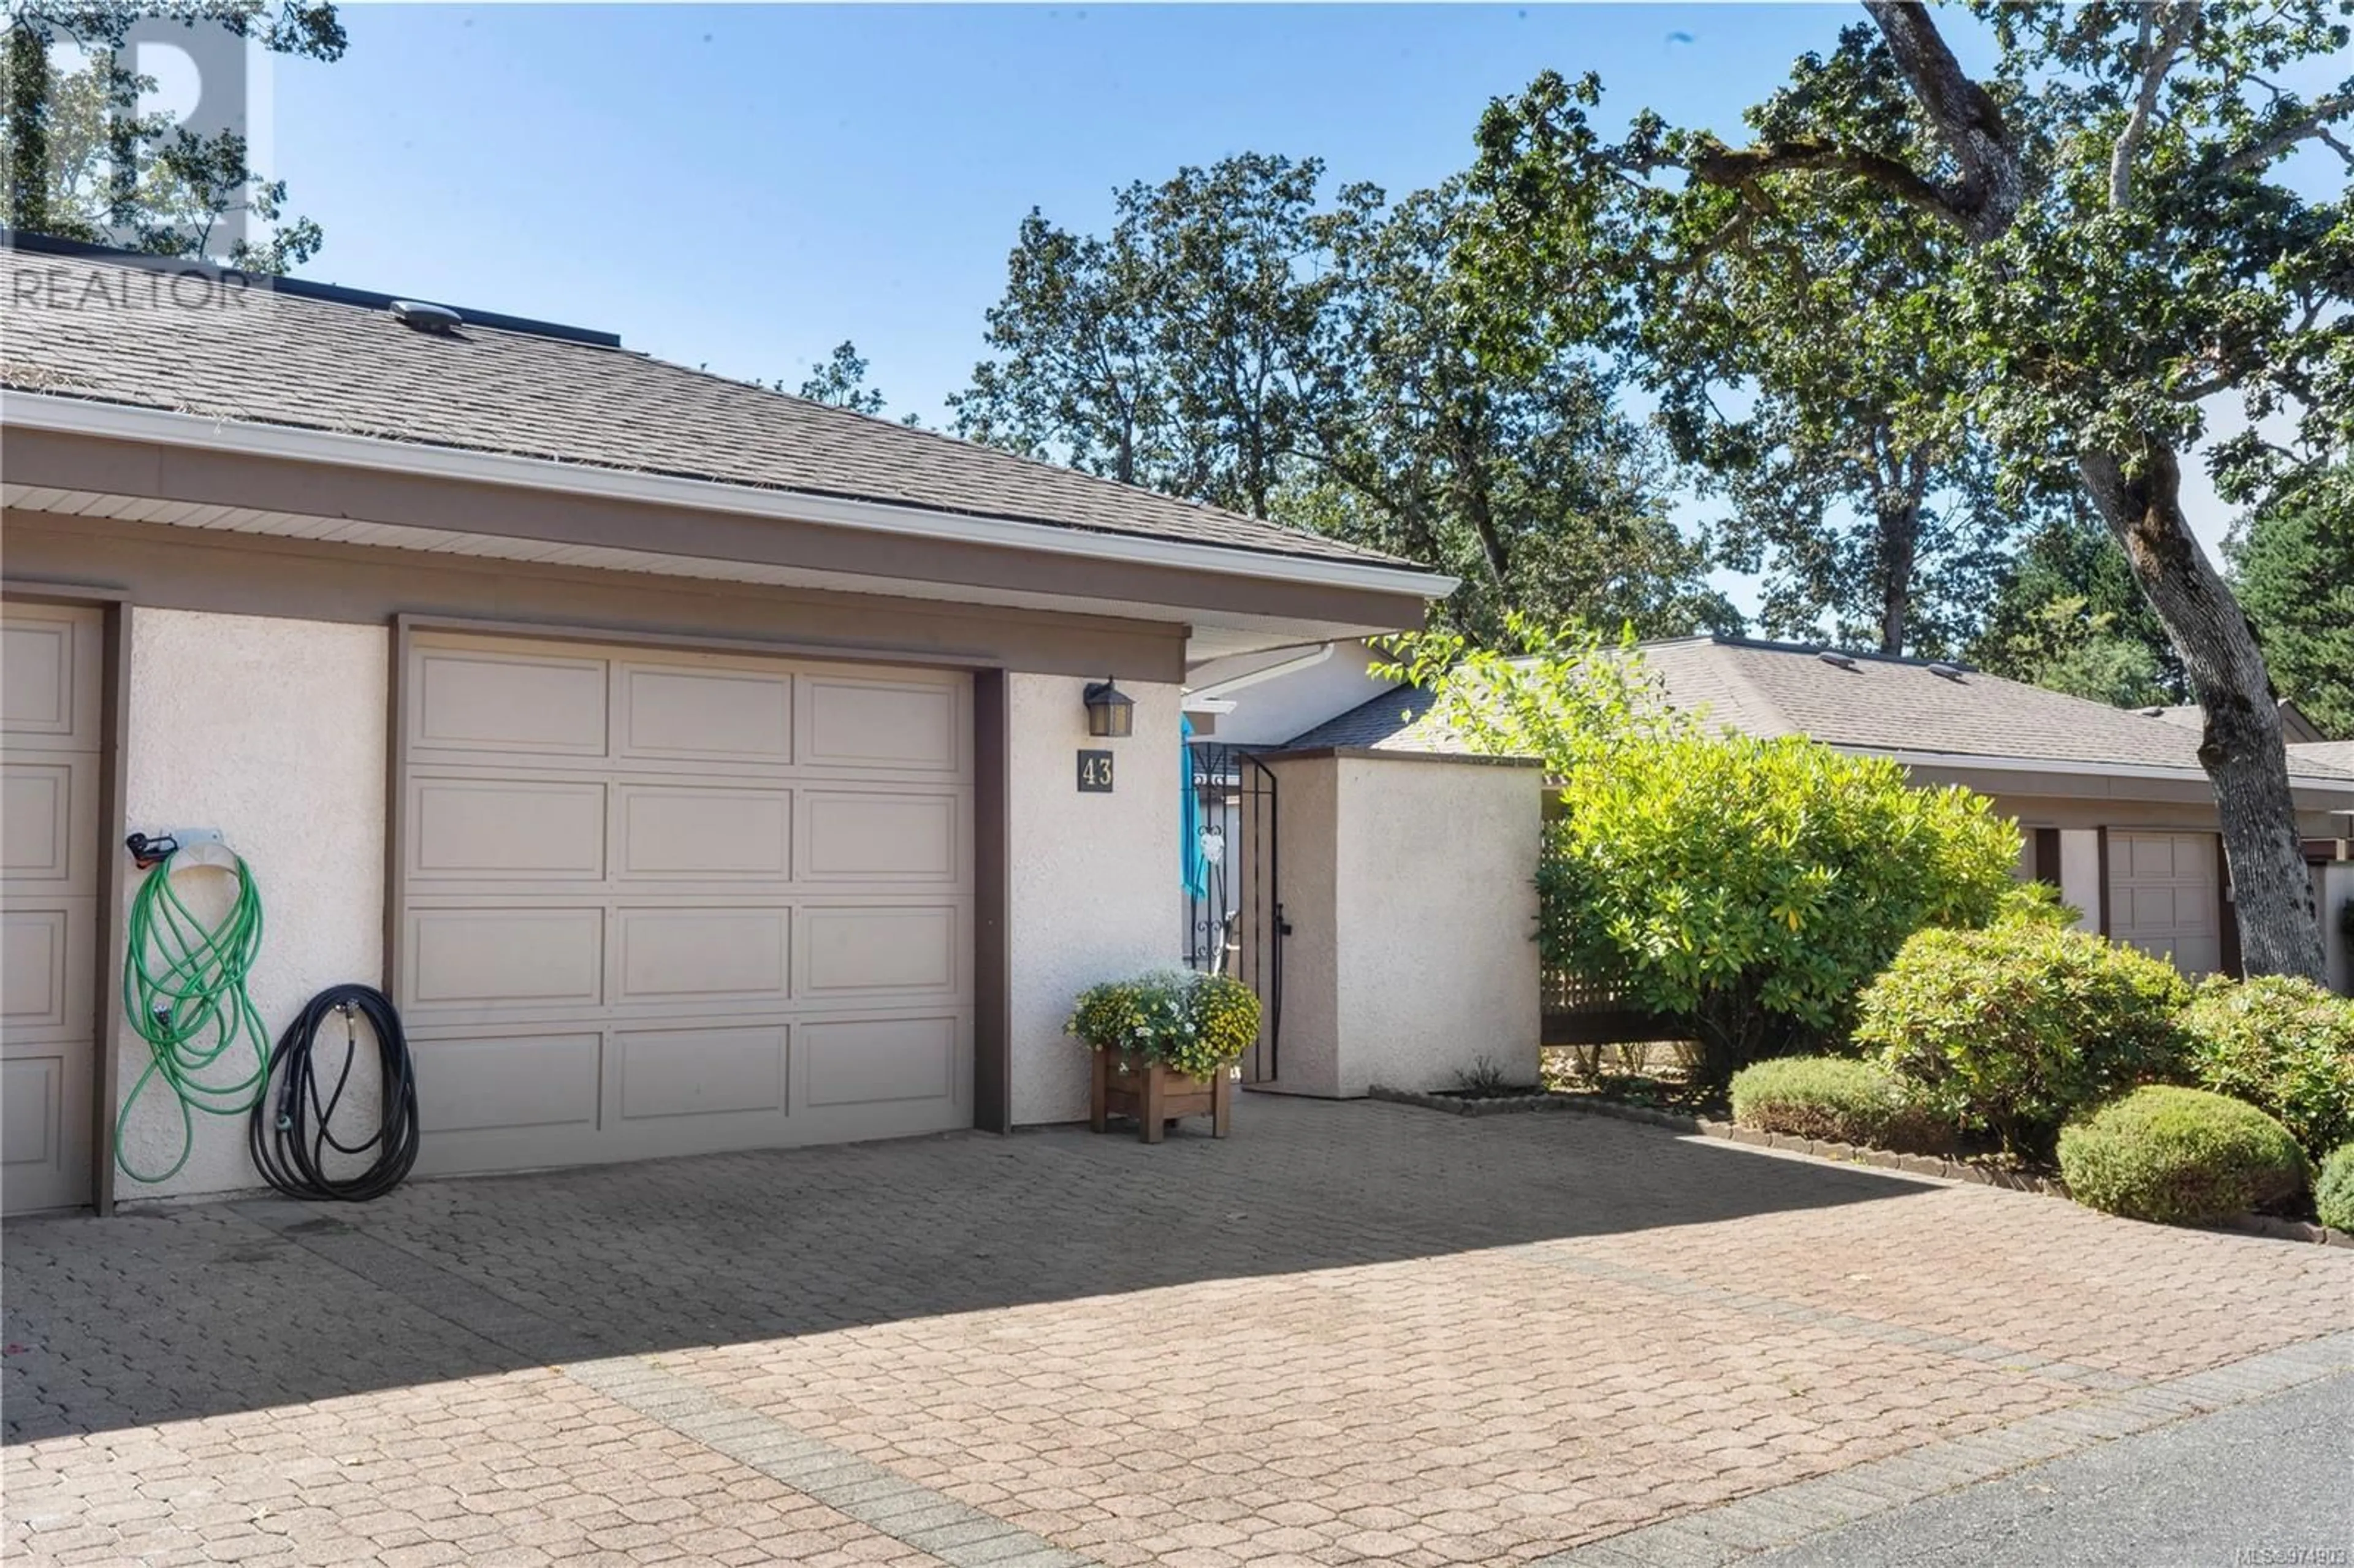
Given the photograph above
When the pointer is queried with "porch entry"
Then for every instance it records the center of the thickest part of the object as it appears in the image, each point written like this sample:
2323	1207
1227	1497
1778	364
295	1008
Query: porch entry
1234	906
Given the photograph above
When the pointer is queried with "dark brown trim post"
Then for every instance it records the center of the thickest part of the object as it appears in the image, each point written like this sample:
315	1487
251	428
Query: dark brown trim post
114	950
2047	854
992	990
2227	916
396	814
2101	893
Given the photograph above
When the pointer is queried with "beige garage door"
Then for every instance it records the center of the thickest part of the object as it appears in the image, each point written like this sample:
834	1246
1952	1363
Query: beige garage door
656	903
2163	899
50	749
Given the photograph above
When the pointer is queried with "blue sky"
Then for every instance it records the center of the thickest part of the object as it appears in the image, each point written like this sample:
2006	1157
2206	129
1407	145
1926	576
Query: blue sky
745	187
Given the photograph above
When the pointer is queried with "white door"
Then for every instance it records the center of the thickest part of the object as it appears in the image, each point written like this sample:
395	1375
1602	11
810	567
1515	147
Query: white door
661	903
49	752
2164	897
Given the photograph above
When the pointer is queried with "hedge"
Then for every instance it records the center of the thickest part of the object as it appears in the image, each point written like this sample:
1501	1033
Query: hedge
1832	1098
2283	1044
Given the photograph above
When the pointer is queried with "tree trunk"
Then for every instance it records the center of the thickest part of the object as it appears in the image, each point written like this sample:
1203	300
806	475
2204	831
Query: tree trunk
1899	540
2241	749
28	128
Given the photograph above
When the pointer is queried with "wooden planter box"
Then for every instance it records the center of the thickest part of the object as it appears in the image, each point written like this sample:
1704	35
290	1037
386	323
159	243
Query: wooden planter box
1155	1096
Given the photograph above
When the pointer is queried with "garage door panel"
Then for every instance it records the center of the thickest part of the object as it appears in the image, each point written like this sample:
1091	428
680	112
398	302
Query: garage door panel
882	837
505	958
48	969
2164	896
702	1071
881	724
672	832
872	1061
682	955
478	701
473	829
49	685
45	819
32	1109
862	950
721	716
508	1082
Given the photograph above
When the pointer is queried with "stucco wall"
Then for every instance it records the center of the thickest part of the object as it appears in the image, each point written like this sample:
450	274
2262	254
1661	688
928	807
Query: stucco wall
1437	914
1409	883
272	731
1093	877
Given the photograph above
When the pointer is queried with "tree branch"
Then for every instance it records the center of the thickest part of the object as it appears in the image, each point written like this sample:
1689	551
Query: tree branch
2174	31
1988	196
2314	122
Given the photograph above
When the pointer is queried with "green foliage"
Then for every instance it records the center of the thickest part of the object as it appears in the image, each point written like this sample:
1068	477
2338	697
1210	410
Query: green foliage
1752	887
2013	1029
1194	1024
1238	339
2180	1157
841	381
2283	1044
2034	904
2333	1189
2292	564
2067	616
1833	1099
1558	692
85	162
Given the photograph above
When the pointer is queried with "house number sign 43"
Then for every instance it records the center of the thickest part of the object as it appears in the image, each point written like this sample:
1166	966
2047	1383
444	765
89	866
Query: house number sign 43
1095	772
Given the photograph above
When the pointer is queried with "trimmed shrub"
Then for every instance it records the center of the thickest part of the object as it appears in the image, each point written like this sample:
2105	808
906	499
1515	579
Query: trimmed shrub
1833	1099
2180	1157
2283	1045
2012	1030
2333	1189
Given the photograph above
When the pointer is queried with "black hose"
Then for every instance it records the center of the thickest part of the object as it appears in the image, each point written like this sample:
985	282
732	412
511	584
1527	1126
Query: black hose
289	1132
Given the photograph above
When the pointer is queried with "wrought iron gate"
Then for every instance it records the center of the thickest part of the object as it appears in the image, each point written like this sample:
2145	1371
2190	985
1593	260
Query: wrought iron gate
1235	925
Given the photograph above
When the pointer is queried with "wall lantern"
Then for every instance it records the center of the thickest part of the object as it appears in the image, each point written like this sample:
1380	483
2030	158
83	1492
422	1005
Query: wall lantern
1110	711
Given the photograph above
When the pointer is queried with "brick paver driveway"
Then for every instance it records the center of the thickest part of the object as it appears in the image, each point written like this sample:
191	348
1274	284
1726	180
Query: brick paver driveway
1350	1332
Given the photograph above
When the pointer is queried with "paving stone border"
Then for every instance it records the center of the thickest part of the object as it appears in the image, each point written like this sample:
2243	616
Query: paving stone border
1938	1166
1783	1516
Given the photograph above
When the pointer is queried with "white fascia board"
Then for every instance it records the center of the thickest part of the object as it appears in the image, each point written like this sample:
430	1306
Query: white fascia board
1308	661
123	421
2089	769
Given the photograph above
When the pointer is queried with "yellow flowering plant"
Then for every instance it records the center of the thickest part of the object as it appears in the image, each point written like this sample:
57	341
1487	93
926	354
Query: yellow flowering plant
1192	1024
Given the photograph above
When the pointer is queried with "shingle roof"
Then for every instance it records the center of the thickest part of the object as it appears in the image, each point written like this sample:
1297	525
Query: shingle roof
96	328
1398	720
2337	754
1869	704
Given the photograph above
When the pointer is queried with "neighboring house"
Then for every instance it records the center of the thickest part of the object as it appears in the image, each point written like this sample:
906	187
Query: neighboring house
697	767
2116	809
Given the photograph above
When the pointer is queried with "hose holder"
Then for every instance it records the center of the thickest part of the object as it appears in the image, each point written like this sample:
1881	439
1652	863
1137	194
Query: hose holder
206	846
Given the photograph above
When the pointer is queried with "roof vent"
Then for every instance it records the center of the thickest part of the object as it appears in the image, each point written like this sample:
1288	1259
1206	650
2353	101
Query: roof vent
1950	672
2151	713
1841	660
427	318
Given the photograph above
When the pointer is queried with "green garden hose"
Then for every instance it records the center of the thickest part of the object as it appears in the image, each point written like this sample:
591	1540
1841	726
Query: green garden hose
184	987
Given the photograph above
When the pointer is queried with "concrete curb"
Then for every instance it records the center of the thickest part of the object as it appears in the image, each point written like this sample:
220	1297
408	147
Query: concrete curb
1930	1165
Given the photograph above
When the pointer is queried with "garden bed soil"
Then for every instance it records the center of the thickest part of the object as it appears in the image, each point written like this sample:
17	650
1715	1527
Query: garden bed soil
1985	1171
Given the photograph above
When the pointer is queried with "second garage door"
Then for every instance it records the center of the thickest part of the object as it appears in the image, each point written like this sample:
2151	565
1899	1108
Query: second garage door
654	903
2164	897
